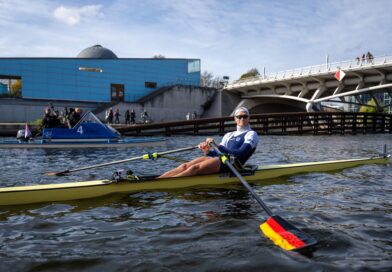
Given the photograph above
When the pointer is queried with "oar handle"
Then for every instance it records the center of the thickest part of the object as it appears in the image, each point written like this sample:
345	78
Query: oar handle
226	161
147	156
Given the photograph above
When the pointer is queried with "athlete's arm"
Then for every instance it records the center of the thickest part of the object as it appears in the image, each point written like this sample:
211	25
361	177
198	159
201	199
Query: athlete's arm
241	153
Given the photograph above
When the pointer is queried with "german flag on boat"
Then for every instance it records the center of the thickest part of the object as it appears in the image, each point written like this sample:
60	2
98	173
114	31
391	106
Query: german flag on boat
285	235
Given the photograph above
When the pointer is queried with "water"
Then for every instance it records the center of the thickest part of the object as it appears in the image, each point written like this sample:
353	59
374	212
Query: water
202	229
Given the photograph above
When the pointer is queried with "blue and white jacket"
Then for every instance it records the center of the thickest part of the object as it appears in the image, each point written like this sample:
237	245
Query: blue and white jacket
240	144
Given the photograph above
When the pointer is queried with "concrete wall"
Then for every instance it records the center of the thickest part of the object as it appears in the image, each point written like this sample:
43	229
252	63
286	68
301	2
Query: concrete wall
171	105
223	104
175	103
230	101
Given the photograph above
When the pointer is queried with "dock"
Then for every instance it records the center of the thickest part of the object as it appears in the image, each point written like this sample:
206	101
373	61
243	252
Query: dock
317	123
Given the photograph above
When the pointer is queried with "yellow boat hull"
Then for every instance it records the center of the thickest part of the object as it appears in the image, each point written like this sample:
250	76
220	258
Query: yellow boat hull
97	188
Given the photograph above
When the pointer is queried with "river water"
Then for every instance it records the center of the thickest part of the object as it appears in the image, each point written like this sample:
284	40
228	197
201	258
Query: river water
202	229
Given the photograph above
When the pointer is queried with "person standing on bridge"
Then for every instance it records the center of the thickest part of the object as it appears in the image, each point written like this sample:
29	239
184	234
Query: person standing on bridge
369	57
239	144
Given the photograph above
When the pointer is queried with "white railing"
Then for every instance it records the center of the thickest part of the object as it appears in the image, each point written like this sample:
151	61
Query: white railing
312	71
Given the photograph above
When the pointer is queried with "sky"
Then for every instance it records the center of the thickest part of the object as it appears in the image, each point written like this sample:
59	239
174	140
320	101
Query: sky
229	36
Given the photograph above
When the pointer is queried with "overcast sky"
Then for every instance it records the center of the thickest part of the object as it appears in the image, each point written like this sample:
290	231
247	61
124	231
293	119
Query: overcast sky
229	36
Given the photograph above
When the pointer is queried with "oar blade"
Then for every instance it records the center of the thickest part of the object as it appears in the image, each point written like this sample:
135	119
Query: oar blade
285	235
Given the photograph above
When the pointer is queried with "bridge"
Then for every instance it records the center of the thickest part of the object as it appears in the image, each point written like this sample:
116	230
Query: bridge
293	90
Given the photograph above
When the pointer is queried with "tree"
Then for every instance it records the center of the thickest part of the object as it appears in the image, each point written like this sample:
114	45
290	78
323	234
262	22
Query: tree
16	88
251	73
371	106
206	79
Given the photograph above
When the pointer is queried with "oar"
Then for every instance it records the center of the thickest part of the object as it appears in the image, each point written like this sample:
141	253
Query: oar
146	156
172	158
281	232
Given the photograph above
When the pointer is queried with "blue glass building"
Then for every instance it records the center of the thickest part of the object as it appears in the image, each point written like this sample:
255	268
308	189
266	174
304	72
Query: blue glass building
97	75
3	89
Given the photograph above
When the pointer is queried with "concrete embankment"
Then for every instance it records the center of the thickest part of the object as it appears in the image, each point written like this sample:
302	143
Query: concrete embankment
166	104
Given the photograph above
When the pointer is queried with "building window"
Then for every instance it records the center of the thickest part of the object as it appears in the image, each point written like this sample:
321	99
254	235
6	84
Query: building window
194	66
151	85
117	92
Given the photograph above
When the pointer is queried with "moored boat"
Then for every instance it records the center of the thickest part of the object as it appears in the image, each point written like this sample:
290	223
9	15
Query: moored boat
124	142
97	188
88	132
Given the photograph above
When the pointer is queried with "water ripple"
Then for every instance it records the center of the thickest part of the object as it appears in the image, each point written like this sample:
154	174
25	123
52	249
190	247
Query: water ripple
202	229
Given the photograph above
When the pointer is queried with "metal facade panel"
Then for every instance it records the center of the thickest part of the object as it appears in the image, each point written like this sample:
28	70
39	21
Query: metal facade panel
63	78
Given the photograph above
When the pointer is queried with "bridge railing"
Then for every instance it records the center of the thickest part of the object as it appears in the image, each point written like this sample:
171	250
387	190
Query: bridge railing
312	70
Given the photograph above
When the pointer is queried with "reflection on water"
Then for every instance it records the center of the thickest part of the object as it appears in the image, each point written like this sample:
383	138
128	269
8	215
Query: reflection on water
205	229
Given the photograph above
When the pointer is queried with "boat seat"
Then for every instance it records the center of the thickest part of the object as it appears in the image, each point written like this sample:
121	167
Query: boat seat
251	167
245	170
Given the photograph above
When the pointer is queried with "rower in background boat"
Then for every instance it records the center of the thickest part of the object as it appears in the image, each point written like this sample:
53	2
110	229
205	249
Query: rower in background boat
239	144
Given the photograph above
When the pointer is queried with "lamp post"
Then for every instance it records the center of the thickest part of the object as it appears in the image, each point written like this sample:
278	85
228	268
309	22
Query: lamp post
326	61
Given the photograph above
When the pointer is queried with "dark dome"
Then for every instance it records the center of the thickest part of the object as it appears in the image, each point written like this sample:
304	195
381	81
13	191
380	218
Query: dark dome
96	52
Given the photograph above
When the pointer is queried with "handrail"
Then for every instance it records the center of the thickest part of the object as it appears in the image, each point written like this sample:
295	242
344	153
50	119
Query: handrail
325	68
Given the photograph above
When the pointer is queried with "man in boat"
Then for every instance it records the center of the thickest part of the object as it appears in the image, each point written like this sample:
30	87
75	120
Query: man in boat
239	144
75	117
50	119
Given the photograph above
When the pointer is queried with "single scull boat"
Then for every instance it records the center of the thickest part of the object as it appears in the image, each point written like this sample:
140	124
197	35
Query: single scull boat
97	188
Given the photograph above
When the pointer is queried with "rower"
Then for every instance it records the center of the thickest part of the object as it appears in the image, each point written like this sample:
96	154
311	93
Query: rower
239	144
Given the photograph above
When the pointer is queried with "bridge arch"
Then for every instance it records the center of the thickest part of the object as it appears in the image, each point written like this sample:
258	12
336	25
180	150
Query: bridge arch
273	104
291	90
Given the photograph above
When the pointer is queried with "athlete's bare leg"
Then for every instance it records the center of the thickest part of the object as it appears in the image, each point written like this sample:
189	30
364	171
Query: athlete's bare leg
209	166
183	167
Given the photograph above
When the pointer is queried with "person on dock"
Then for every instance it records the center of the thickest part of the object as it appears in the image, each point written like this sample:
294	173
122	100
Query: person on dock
127	117
133	116
117	116
239	144
109	116
144	117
